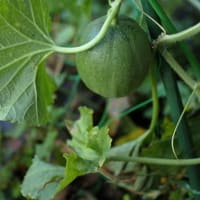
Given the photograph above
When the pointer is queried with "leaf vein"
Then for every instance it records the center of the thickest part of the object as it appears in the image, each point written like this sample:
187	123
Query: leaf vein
35	24
31	22
13	28
14	75
23	56
26	42
17	97
32	13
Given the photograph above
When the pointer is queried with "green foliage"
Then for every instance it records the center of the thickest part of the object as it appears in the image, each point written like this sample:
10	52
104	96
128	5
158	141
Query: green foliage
26	95
41	180
75	167
90	144
25	88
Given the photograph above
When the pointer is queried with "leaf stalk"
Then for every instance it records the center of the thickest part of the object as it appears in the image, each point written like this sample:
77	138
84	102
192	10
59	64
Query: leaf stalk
112	13
182	35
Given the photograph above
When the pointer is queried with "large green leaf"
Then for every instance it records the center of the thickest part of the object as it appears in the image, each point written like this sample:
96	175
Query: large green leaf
25	88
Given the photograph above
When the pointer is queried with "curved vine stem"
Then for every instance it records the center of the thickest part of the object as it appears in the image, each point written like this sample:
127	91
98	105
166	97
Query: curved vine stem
148	16
139	141
112	13
179	121
155	99
155	106
172	38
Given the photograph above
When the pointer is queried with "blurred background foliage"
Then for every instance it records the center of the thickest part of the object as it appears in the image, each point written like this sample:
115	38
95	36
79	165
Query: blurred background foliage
127	117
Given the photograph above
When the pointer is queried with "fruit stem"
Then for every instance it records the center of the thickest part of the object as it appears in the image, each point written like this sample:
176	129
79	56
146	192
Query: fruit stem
112	13
115	19
172	38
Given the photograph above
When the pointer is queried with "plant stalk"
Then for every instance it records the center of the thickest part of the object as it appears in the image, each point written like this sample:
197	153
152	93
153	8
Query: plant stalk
155	161
112	13
176	37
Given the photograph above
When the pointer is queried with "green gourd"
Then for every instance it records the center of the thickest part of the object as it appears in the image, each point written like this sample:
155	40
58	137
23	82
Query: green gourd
119	63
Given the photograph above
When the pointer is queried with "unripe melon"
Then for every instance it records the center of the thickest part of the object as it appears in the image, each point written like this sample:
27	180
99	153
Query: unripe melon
119	63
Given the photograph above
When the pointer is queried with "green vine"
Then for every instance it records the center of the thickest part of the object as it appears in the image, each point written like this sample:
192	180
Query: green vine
155	107
139	141
156	161
182	35
111	15
166	22
179	121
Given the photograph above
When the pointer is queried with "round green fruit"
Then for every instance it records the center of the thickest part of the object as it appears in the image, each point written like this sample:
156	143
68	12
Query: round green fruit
119	63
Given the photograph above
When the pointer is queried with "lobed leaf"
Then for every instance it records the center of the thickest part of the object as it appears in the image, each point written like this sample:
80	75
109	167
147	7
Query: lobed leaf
90	144
25	87
88	141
